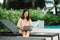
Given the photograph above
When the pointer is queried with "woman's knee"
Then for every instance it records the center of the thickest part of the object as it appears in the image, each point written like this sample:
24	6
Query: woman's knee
28	31
23	32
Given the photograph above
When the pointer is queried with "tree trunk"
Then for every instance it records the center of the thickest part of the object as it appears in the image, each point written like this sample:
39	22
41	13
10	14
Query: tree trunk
33	4
4	3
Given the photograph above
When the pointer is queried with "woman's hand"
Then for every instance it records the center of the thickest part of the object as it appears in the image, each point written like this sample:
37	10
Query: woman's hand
20	28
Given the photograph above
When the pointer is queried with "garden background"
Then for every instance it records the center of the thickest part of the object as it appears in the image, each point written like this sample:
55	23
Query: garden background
13	12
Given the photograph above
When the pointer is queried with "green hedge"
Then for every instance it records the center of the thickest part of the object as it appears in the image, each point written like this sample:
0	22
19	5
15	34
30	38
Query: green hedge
51	19
14	15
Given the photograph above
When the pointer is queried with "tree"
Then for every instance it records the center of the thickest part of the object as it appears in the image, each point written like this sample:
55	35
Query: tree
4	3
55	4
33	4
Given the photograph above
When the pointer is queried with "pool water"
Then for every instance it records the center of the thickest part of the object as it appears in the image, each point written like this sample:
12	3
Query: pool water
52	27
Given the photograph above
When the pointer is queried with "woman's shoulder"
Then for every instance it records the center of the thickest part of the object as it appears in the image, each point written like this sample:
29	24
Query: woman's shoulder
30	20
20	19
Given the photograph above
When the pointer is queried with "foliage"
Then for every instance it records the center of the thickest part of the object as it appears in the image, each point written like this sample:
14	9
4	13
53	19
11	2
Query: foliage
14	16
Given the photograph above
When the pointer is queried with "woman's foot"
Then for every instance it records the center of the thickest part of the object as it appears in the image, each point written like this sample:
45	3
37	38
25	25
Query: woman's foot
27	35
24	36
23	33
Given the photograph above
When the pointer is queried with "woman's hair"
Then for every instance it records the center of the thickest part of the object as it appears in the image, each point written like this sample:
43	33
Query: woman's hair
27	16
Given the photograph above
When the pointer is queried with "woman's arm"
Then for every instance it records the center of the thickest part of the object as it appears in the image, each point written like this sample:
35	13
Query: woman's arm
30	21
19	25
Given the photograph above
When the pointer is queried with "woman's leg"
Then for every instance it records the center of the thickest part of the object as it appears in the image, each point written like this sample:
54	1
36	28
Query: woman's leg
23	33
27	33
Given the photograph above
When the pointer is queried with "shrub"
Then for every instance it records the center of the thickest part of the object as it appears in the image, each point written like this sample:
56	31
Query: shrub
51	19
14	16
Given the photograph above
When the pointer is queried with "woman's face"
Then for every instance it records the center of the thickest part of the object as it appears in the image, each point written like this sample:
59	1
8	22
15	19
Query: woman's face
26	14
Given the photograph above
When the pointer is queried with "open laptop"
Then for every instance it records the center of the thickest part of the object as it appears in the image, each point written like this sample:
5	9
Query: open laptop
27	28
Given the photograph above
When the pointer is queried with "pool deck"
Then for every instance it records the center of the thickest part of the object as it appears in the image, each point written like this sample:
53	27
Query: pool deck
20	38
31	38
46	30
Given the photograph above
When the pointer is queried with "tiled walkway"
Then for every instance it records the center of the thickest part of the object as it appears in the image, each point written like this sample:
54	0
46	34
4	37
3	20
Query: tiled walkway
20	38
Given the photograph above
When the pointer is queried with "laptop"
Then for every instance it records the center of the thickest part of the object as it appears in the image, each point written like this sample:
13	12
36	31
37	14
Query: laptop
27	28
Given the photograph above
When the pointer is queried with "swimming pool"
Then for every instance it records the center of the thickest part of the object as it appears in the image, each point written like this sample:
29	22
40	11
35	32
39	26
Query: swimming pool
52	27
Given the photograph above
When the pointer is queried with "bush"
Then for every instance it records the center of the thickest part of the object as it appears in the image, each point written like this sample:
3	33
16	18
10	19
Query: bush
36	15
51	19
14	16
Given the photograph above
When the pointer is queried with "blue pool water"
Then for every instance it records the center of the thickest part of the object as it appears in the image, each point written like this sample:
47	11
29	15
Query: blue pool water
52	27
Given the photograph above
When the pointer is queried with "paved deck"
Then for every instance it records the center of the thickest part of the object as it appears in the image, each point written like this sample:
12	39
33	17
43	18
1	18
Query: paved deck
20	38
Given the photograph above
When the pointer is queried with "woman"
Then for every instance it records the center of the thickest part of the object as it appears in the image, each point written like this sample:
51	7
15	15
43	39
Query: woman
24	21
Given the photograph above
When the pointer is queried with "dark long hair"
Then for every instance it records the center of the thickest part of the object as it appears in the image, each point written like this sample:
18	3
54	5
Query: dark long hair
28	17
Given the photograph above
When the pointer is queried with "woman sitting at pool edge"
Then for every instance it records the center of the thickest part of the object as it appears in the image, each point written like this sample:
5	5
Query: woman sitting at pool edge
24	21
